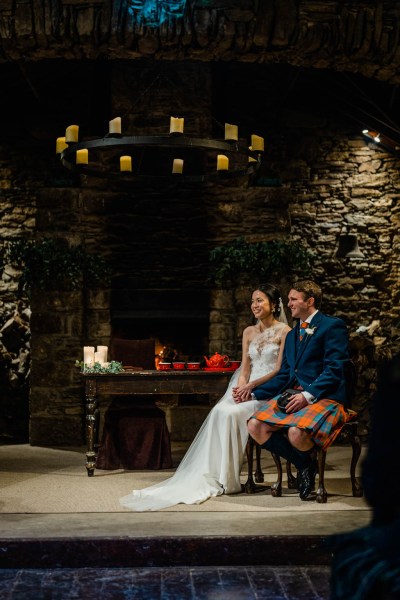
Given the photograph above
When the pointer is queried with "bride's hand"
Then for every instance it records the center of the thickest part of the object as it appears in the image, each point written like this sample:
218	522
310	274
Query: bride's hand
242	395
245	389
235	395
239	399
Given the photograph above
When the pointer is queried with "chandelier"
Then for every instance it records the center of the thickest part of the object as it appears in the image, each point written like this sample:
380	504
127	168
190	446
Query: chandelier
172	156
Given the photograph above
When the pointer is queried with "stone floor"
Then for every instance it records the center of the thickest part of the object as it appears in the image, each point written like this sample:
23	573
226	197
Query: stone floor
195	583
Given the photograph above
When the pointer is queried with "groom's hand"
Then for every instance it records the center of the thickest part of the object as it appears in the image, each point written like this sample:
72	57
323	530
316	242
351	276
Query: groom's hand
297	402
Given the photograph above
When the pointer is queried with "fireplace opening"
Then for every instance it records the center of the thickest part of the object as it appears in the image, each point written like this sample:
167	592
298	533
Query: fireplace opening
177	321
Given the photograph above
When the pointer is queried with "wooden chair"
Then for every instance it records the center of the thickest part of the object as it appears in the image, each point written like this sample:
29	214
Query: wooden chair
348	434
135	433
134	353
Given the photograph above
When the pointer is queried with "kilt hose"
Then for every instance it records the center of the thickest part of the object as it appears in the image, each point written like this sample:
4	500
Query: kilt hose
323	420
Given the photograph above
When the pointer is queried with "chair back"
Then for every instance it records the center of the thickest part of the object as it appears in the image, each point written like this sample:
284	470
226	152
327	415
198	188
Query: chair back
133	353
351	376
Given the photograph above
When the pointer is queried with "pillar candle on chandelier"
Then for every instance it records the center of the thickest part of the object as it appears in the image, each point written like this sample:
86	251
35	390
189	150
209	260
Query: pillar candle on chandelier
71	133
231	132
176	125
60	145
82	157
251	159
222	162
125	163
114	126
177	166
257	143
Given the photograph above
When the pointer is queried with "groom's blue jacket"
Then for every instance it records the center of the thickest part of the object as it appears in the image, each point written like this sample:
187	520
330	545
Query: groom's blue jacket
316	363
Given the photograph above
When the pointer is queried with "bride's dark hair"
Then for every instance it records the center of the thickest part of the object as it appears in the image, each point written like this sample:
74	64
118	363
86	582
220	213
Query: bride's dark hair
273	294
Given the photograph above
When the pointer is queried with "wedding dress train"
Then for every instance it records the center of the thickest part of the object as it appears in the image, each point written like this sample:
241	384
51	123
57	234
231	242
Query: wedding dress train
213	462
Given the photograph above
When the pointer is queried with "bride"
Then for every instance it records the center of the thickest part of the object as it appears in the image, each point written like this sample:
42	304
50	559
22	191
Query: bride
212	464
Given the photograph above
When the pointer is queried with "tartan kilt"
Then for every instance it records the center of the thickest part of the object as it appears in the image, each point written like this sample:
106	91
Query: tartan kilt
323	420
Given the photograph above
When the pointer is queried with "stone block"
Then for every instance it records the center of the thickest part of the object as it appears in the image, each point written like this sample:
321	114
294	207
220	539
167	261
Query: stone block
46	323
68	301
56	431
98	298
41	398
49	373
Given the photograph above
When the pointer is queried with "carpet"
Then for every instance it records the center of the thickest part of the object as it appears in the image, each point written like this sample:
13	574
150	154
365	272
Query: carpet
35	480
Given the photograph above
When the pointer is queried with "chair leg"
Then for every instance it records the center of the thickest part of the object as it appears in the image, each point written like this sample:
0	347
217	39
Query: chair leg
291	479
258	474
249	487
322	496
276	488
355	484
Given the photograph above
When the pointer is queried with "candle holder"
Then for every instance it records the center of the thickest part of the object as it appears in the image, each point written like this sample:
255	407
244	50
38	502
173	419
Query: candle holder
153	157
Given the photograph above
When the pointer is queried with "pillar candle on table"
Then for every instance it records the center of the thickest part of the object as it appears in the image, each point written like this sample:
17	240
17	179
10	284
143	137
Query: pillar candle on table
102	352
88	355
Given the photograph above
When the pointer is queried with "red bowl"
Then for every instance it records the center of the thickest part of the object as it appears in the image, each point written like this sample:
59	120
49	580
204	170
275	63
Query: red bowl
235	364
178	366
193	366
164	366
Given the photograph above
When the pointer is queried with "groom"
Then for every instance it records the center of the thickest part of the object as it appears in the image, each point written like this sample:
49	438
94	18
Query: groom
315	354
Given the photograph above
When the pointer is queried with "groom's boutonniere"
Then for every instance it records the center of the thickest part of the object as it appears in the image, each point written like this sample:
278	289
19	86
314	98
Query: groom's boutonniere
310	330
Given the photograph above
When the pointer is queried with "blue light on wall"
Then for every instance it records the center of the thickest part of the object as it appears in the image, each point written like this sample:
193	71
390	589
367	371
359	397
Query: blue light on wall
154	12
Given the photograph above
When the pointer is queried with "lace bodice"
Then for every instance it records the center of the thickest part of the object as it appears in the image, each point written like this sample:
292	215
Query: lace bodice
264	350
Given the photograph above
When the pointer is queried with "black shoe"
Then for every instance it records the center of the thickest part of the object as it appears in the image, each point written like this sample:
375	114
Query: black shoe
306	480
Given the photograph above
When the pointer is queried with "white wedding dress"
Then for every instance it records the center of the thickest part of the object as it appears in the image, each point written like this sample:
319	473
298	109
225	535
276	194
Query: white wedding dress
212	464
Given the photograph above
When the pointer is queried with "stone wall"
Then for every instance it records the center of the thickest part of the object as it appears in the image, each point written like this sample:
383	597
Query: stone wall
361	37
354	188
17	217
62	323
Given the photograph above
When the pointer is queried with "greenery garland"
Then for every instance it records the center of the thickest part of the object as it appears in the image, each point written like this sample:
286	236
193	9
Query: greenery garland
112	367
242	261
51	264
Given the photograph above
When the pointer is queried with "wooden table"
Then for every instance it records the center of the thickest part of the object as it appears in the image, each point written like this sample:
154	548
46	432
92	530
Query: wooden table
143	382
